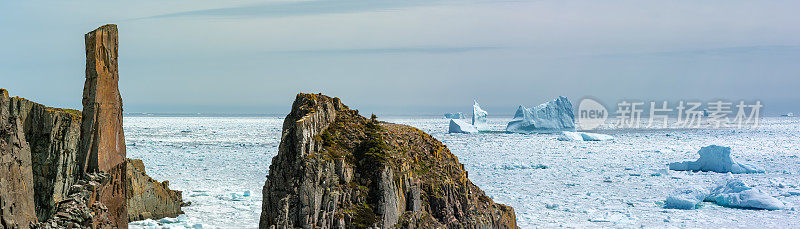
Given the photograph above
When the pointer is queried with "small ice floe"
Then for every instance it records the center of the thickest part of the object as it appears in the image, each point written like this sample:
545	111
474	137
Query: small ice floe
732	193
714	158
458	126
582	136
791	193
687	197
457	115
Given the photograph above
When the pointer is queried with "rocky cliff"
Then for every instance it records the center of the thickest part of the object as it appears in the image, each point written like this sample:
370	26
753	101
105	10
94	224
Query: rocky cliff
337	169
148	198
16	177
52	134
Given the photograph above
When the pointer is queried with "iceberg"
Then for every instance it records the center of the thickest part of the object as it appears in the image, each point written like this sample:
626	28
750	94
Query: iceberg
581	136
457	115
550	116
733	193
736	194
479	117
458	126
714	158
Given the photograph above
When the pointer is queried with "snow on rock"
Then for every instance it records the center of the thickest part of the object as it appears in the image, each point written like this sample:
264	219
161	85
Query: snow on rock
732	193
735	193
457	115
581	136
553	115
458	126
687	197
714	158
479	119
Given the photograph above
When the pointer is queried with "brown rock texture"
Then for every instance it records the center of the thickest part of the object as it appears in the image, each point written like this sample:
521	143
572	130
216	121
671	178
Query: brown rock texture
17	209
337	169
52	134
81	209
148	198
102	139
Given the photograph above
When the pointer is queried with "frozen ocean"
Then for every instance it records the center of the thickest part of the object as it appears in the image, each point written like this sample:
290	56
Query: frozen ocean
220	164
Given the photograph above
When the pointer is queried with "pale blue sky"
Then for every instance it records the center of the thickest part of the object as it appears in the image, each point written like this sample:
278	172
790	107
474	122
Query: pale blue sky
408	56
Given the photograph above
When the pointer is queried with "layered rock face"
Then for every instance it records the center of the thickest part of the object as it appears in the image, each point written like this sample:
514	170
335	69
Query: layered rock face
337	169
148	198
82	208
52	134
16	177
102	140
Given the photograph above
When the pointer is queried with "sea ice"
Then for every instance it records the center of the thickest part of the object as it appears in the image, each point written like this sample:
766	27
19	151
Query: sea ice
479	117
458	126
714	158
457	115
581	136
553	115
735	193
686	197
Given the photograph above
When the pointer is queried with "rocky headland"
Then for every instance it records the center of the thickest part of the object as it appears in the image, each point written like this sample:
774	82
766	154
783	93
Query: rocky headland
63	168
338	169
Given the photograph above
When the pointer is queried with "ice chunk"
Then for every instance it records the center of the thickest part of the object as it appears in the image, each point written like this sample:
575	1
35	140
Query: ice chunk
735	193
686	197
570	136
479	117
550	116
581	136
246	193
714	158
458	126
457	115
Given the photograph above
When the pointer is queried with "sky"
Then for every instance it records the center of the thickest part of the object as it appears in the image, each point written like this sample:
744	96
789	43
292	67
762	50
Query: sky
409	56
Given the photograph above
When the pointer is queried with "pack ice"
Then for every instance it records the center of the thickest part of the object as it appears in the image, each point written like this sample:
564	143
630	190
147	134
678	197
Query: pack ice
550	116
457	115
458	126
731	193
479	117
582	136
714	158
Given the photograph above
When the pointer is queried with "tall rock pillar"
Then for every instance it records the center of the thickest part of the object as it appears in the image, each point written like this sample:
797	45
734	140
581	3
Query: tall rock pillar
102	142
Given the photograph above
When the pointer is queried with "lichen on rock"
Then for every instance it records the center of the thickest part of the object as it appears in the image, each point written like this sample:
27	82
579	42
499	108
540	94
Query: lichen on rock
338	169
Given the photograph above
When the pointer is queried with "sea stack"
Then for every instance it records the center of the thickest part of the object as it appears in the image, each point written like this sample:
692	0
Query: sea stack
102	141
338	169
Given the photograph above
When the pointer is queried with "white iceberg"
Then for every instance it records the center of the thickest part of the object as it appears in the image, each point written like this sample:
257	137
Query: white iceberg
714	158
458	126
687	197
581	136
457	115
732	193
550	116
479	117
735	193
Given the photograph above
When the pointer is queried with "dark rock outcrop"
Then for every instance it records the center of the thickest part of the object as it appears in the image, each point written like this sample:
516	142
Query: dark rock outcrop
148	198
102	139
52	134
337	169
82	208
16	179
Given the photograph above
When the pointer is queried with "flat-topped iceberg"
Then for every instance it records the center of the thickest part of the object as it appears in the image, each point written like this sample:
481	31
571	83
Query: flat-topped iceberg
551	116
479	117
581	136
458	126
732	193
457	115
714	158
